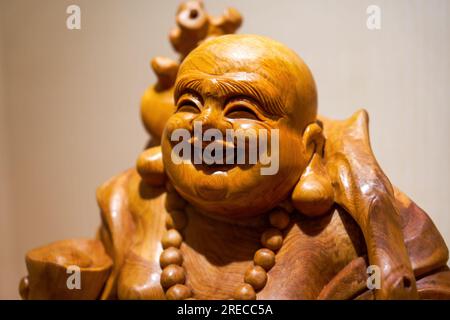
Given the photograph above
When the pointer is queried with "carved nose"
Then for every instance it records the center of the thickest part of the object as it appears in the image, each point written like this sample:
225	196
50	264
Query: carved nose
206	118
208	125
212	120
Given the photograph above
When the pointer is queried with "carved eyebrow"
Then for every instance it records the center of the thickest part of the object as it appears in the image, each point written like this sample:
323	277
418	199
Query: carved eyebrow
270	102
186	83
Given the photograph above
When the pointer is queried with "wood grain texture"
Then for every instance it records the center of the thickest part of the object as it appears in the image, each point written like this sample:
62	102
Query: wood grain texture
217	253
47	277
366	193
315	254
427	255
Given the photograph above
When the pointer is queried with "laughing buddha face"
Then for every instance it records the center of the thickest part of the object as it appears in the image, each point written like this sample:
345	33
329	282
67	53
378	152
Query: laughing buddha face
246	84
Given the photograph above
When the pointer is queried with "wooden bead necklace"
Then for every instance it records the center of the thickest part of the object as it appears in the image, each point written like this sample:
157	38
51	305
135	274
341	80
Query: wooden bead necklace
173	275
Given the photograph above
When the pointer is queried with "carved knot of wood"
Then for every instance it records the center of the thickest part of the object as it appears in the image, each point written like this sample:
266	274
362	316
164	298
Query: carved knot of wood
194	25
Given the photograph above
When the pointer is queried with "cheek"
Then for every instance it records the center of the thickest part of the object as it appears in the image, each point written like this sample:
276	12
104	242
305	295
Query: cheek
243	124
175	122
166	149
291	152
178	121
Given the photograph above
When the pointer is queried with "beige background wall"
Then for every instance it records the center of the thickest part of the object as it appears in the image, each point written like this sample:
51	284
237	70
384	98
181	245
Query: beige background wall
69	99
8	258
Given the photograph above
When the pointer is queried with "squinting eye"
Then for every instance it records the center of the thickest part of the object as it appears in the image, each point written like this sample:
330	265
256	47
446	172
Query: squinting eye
188	105
240	111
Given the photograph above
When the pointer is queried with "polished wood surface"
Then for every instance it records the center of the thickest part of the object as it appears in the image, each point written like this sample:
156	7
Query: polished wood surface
180	231
47	270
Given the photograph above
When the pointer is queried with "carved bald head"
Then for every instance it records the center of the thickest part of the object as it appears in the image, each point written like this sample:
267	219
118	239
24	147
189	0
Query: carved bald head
247	83
266	68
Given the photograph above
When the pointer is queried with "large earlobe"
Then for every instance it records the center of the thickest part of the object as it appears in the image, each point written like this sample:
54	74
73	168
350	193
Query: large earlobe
314	195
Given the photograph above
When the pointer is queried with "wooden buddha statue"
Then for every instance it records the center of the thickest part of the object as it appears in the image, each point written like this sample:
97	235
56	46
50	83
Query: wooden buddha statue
178	228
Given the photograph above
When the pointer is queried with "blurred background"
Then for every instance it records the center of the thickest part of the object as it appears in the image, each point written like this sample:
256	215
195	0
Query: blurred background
69	99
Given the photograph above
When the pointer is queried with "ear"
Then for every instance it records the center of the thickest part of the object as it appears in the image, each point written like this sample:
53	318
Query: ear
314	195
313	140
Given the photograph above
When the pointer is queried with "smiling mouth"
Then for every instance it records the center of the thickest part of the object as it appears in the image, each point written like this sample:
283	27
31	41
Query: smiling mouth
228	161
198	160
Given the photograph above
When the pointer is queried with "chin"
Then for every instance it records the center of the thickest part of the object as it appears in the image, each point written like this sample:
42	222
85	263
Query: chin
232	193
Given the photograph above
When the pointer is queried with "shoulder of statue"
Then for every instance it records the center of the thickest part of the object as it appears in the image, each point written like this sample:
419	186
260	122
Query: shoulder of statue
126	198
127	204
117	224
114	188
